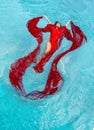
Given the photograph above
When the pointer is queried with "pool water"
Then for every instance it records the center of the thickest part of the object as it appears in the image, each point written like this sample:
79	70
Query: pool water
72	108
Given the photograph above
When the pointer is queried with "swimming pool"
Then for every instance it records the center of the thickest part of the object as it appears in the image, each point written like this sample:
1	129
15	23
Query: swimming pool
72	107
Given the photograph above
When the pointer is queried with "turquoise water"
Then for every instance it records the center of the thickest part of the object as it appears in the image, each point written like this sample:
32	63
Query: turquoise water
72	108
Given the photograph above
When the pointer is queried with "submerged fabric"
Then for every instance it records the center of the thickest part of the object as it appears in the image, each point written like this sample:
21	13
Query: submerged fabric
54	80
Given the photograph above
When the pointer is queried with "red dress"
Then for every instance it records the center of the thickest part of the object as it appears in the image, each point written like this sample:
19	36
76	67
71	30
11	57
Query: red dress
56	35
54	80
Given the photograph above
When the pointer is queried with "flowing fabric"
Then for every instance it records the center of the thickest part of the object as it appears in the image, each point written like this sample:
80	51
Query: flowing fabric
54	80
19	67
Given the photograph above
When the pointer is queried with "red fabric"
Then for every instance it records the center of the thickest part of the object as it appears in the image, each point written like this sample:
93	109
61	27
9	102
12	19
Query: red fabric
34	30
55	80
19	67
